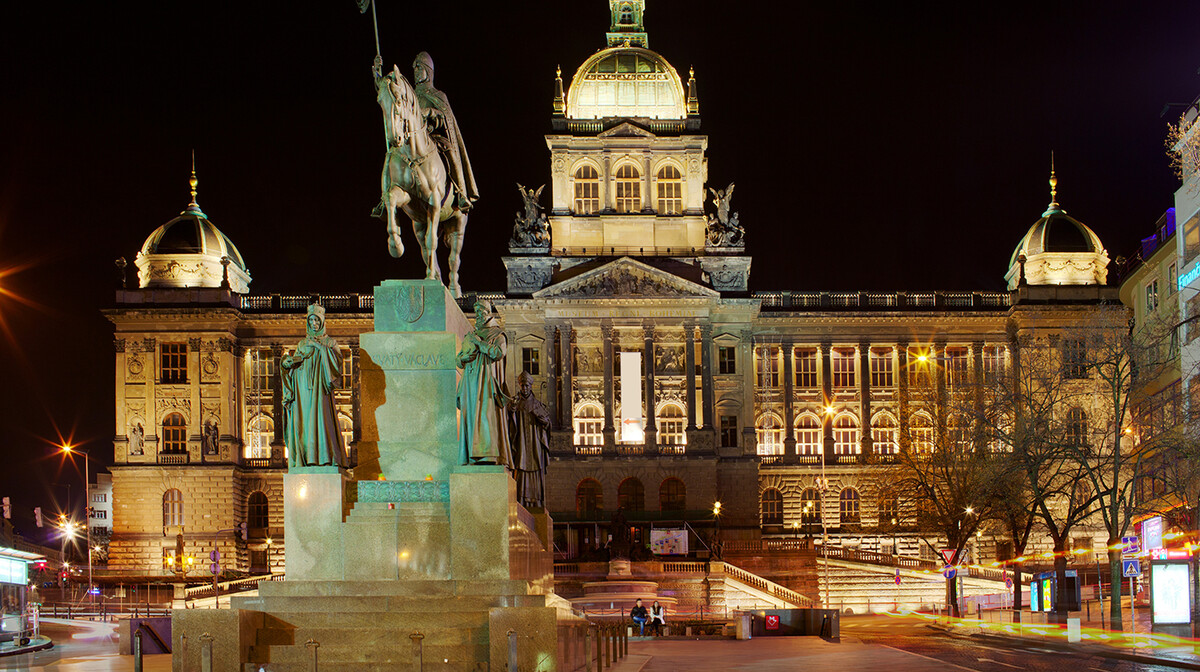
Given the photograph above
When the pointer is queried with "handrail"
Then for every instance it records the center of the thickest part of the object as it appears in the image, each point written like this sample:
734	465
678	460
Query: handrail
767	586
247	583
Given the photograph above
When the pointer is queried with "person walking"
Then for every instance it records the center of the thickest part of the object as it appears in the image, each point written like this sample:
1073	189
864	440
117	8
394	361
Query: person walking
658	619
639	616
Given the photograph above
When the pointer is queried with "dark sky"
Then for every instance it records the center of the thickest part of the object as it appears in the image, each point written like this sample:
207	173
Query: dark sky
875	146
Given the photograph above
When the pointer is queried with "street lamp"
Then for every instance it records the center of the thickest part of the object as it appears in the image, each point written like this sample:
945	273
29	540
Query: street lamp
87	508
716	511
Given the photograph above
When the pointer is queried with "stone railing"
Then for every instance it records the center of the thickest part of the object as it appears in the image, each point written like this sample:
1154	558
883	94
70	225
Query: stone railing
882	300
765	585
173	458
684	567
873	558
234	586
614	251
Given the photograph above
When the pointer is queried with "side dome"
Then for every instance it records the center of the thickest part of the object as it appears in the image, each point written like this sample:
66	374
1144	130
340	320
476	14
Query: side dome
629	82
188	251
1058	250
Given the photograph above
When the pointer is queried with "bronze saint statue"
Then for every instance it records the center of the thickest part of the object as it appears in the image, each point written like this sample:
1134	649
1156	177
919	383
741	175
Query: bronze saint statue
310	375
529	433
426	171
482	431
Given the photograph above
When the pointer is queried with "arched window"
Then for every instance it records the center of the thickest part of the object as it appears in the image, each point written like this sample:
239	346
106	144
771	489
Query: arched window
849	510
172	501
808	435
883	435
772	507
672	495
629	189
259	433
670	191
845	435
770	434
587	191
589	498
1076	434
671	423
257	513
810	506
346	427
174	434
921	431
631	495
626	14
589	426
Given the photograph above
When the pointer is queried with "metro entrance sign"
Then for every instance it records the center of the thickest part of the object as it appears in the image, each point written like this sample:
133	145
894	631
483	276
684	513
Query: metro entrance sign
1130	546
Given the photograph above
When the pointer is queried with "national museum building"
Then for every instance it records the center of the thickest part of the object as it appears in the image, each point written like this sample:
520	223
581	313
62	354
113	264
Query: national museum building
672	385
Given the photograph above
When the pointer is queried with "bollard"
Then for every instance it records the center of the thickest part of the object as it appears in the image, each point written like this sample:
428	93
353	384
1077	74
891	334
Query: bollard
604	644
313	645
206	655
624	641
599	642
512	650
137	651
587	648
416	638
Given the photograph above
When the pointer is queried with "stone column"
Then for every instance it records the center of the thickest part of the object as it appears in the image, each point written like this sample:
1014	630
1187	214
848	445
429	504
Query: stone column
607	181
651	425
827	394
689	358
648	203
977	364
607	334
552	376
277	400
864	394
567	355
706	373
789	414
902	394
937	359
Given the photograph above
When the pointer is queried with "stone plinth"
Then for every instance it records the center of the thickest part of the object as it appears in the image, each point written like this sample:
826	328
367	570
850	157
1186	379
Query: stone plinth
313	506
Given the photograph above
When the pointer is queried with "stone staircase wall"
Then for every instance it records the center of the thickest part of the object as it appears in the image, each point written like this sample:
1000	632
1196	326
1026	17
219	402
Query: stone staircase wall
863	588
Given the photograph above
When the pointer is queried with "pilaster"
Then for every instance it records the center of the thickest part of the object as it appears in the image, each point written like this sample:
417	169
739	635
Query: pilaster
789	418
651	401
864	395
827	395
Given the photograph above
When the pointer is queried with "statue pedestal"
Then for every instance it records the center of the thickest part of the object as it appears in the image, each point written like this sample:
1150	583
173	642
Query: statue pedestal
312	523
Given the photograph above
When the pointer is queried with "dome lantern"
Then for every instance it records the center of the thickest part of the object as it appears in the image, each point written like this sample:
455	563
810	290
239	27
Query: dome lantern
1058	250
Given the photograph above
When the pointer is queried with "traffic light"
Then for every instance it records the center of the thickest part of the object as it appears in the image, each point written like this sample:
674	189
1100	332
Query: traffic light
245	532
37	515
7	508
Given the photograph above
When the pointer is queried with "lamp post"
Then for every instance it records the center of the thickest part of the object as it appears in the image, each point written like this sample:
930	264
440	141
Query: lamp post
822	486
716	511
87	508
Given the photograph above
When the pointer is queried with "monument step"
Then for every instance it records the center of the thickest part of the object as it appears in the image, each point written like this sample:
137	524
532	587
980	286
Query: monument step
291	626
398	653
382	604
411	588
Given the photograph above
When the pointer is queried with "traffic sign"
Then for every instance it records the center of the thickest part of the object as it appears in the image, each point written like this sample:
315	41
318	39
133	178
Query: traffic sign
772	621
950	572
947	555
215	569
1130	546
1132	568
897	576
214	555
1008	581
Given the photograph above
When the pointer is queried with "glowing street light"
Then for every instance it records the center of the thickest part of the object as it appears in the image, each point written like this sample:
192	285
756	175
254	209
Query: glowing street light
87	506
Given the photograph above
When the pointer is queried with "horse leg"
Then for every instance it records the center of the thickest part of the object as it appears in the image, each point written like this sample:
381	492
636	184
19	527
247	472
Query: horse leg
395	241
420	229
432	271
455	240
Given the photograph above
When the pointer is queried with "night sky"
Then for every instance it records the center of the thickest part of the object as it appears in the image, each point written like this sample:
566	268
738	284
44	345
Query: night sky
897	146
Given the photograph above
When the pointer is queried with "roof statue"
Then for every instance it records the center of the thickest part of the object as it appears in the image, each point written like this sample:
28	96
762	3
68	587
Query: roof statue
426	171
723	227
531	231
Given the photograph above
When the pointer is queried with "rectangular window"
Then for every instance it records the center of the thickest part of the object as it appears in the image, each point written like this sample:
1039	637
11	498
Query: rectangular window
1152	296
347	370
806	369
726	360
262	369
993	364
1172	280
843	367
587	191
531	361
881	369
1074	358
100	515
670	196
1191	239
956	366
729	431
766	360
173	363
920	368
99	497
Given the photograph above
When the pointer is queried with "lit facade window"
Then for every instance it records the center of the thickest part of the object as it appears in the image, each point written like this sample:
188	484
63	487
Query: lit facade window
920	429
843	367
845	435
589	426
346	428
262	370
587	191
672	495
257	512
670	191
729	431
772	507
531	361
920	369
956	366
629	189
767	364
1076	430
808	435
958	434
882	369
260	431
671	424
1074	358
173	363
810	506
726	360
889	508
174	434
993	364
347	369
883	435
172	501
770	435
850	506
806	369
631	495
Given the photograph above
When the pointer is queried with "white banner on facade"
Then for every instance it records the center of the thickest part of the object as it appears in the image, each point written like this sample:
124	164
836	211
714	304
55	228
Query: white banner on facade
631	398
664	541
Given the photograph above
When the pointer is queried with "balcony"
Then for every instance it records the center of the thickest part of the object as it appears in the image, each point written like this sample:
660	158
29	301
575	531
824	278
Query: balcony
174	458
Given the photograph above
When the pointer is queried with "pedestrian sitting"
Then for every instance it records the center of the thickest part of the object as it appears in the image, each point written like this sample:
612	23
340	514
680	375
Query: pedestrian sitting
658	619
639	616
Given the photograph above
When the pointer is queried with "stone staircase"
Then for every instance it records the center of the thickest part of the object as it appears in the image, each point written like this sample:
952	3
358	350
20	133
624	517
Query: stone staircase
864	587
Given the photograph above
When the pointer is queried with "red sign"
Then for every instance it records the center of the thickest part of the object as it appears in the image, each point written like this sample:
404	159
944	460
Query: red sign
772	622
897	576
948	555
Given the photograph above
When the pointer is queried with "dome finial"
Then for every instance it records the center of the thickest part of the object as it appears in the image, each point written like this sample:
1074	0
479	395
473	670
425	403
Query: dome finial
193	206
1053	185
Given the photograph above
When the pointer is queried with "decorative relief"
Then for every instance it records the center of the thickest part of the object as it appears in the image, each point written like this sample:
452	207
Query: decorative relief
403	491
164	405
624	282
194	344
407	304
668	359
589	361
210	412
225	344
149	345
176	270
119	345
209	365
560	166
134	367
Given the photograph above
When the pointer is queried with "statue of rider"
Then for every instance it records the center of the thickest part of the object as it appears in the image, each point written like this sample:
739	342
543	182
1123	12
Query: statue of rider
443	128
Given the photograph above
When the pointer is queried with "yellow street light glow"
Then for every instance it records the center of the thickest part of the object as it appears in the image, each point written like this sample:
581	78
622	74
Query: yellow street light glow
922	358
829	410
970	509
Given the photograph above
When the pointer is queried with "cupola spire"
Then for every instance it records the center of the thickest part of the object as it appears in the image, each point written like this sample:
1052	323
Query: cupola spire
627	28
193	207
1054	206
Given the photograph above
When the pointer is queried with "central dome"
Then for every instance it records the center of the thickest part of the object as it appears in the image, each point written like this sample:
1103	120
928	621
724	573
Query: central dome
629	82
190	251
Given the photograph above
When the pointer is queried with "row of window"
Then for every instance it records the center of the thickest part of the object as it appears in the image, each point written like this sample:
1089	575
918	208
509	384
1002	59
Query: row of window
257	509
260	364
260	431
670	421
627	186
631	496
811	507
844	366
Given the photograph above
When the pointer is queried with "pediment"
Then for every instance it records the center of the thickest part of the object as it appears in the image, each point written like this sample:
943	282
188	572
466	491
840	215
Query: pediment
626	277
626	130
